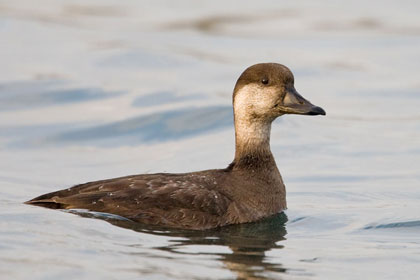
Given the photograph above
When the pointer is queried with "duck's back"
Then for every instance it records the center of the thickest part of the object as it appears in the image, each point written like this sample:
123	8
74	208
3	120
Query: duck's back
191	200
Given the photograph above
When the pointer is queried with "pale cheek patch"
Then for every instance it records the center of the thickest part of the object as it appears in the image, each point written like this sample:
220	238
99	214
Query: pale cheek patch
252	100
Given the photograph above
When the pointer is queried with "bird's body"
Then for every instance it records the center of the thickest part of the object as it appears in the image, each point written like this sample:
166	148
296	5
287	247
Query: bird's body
197	200
249	189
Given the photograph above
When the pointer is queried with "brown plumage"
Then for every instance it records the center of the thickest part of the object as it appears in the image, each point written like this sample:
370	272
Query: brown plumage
249	189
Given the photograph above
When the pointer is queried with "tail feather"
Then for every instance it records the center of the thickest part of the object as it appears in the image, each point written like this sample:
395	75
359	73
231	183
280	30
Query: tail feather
46	203
47	200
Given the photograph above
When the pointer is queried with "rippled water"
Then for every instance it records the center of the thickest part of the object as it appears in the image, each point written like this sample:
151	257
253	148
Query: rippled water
100	89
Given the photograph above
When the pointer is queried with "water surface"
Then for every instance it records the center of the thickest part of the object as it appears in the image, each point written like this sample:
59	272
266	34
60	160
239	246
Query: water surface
100	89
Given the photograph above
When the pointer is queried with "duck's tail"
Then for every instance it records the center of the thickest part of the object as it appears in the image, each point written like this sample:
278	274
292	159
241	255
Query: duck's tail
47	200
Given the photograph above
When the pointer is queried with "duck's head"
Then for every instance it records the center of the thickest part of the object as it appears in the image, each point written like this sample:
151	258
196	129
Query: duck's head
266	91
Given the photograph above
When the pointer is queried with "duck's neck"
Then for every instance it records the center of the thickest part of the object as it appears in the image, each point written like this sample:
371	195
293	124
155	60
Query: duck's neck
252	137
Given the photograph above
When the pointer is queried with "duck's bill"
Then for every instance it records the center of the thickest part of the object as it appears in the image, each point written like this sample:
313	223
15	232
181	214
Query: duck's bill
294	103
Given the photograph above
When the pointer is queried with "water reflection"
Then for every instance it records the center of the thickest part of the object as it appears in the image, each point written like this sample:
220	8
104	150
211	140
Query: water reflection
93	11
35	94
161	97
159	126
217	24
248	243
409	224
139	59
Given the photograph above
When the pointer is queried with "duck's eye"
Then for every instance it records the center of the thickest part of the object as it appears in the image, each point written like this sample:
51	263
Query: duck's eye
264	81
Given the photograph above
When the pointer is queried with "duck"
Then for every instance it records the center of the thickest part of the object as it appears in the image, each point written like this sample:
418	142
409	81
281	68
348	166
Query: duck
249	189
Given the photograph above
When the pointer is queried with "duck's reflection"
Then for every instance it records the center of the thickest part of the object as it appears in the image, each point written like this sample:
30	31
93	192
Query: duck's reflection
248	243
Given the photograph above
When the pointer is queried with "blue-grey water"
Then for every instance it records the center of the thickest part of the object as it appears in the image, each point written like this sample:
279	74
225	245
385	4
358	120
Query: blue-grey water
99	89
